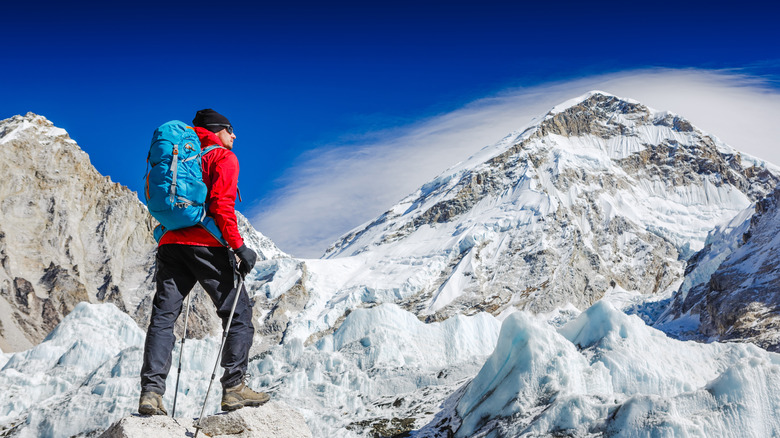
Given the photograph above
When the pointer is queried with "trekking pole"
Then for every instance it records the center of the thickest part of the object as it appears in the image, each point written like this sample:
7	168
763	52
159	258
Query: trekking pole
224	337
181	351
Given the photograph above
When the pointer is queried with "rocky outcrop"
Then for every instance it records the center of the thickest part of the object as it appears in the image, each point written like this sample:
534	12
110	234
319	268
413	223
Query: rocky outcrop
275	315
270	420
740	300
67	233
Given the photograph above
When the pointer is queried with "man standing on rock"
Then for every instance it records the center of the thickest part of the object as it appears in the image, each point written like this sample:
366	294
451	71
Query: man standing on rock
193	254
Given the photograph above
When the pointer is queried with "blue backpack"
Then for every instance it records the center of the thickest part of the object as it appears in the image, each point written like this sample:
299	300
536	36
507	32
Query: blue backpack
175	192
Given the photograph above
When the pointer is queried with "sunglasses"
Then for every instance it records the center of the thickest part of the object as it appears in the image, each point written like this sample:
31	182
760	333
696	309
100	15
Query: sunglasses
228	127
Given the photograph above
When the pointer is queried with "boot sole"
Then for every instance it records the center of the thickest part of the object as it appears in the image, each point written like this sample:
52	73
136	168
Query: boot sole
150	410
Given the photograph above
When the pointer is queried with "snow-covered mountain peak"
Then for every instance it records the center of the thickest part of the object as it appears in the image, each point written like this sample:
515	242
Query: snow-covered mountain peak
31	124
595	132
602	192
582	98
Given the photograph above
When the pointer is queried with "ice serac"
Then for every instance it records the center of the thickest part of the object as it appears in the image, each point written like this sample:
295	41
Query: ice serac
88	364
608	374
732	288
603	192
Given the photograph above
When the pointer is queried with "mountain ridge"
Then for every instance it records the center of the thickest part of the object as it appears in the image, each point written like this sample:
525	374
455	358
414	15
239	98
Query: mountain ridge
389	327
592	170
51	191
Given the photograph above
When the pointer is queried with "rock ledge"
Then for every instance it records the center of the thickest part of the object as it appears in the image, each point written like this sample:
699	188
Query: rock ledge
272	419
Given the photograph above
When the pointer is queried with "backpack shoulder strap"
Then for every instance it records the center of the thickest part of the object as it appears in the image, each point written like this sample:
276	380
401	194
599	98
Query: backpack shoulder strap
209	149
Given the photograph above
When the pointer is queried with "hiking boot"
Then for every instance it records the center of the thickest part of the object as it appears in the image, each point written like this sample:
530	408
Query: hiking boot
151	404
241	395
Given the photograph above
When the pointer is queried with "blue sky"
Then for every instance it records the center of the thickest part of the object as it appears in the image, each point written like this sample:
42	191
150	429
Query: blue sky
306	82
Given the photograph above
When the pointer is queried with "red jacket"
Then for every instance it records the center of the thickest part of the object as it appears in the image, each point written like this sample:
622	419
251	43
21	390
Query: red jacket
220	173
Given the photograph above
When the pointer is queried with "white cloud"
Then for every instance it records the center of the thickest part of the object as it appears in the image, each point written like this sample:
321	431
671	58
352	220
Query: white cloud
338	188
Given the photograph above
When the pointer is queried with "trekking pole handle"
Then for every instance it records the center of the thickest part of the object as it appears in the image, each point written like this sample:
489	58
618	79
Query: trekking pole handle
234	261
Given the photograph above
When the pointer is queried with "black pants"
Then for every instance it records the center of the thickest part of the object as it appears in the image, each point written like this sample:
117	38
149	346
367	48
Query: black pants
178	268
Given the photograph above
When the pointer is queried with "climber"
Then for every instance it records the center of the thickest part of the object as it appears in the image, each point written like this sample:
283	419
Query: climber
194	254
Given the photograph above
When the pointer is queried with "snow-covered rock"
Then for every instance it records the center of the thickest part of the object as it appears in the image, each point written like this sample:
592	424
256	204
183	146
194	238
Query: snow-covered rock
270	420
733	284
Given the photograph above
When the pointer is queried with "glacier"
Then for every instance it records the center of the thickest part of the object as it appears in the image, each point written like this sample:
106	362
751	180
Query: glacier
85	374
596	373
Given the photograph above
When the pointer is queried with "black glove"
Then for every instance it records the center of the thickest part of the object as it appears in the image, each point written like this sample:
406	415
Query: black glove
248	259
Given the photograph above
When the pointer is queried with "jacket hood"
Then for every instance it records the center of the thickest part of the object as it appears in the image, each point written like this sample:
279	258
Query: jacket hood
207	138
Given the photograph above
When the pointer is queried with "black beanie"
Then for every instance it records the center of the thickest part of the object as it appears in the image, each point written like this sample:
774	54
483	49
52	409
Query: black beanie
210	119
